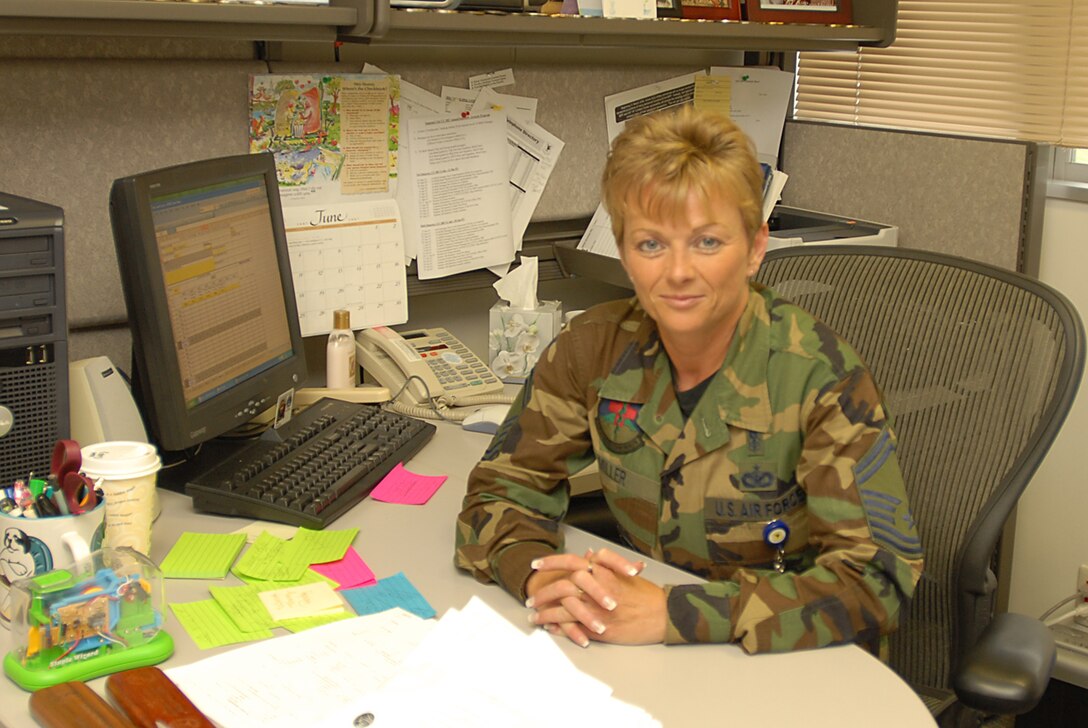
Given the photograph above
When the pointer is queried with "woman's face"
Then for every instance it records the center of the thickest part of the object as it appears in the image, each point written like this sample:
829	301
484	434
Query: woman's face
690	275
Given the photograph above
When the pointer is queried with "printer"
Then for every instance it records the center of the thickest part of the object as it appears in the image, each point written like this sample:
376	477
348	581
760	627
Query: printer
595	255
792	226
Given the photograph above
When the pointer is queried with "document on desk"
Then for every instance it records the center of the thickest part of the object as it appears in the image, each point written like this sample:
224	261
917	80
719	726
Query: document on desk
347	255
477	669
301	679
461	186
473	667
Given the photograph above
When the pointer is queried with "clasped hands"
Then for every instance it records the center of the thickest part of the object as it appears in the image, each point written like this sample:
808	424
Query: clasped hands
598	596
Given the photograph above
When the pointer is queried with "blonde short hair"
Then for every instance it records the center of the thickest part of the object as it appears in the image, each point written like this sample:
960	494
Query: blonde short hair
659	159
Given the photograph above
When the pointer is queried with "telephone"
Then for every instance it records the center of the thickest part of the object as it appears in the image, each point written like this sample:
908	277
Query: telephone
435	365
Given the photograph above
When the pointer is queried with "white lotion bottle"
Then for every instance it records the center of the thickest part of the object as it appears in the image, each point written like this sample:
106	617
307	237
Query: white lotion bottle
340	369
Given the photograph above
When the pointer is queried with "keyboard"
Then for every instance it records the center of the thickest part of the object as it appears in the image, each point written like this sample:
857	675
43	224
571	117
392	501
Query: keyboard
327	459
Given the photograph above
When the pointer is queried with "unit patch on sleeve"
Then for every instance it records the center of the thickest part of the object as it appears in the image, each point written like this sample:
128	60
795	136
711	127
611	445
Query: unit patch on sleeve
616	423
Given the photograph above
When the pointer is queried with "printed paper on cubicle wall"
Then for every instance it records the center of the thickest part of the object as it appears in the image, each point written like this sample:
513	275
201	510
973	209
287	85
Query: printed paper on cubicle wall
415	103
532	152
461	184
463	101
758	98
758	101
350	256
334	137
669	94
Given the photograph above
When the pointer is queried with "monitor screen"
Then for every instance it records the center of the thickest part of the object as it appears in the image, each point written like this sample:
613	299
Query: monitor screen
207	282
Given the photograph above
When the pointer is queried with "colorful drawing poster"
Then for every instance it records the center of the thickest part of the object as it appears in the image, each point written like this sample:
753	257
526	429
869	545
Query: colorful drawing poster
335	138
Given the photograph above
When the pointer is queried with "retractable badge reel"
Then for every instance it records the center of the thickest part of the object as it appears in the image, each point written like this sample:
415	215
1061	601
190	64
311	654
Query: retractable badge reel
776	534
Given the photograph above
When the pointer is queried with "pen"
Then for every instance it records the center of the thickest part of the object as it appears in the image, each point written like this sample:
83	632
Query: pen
55	494
45	506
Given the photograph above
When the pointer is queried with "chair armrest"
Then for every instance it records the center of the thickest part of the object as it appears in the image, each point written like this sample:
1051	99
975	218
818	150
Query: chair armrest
1007	671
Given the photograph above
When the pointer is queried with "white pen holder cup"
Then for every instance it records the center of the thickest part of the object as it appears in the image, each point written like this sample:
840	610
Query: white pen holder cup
33	546
126	472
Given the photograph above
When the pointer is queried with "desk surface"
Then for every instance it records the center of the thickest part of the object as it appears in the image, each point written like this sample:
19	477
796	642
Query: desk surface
680	686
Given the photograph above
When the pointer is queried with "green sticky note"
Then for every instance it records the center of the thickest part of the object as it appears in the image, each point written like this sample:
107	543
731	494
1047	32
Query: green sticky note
209	625
308	577
243	605
272	559
202	555
321	547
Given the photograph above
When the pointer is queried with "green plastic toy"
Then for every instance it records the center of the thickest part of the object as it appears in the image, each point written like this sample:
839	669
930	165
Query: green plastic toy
99	616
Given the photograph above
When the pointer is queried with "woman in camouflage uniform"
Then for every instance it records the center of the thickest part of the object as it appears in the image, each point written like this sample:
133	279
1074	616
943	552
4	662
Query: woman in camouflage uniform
737	436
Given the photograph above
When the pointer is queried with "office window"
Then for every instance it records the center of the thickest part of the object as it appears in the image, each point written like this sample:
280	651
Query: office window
1004	68
1071	165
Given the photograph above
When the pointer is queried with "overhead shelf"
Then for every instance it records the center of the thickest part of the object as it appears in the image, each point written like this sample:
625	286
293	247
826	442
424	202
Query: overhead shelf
146	18
419	27
375	22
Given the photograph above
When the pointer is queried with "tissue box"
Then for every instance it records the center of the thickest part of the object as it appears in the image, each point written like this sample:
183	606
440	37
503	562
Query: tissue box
517	337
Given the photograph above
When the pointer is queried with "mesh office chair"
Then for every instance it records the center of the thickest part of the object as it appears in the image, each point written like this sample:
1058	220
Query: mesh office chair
979	367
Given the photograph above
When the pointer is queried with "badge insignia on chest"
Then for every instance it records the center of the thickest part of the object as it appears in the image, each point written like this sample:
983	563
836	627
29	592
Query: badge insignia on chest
617	427
758	480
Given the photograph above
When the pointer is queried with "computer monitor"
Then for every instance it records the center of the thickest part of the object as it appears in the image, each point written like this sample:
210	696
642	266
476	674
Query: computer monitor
207	282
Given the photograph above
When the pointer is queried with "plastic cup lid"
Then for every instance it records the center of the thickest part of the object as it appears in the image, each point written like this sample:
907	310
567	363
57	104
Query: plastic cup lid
120	460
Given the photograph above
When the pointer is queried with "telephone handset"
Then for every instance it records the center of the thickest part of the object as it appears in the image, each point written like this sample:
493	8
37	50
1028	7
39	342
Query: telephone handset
452	373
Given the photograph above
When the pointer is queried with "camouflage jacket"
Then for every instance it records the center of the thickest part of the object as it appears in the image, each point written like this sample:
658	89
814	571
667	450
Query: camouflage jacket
791	429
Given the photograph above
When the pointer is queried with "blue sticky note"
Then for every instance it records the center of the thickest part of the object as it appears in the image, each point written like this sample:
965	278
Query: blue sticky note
394	591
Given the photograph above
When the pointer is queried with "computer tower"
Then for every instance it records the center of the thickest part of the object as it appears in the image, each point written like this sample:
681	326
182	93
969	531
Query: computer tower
33	337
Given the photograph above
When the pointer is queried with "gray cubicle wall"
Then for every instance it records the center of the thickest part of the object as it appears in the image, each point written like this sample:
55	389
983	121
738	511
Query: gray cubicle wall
79	113
976	198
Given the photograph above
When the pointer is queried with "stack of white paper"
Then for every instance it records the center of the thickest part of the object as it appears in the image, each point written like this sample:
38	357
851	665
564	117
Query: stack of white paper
472	668
476	669
301	679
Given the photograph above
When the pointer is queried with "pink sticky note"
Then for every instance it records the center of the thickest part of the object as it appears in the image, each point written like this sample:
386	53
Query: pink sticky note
403	486
349	572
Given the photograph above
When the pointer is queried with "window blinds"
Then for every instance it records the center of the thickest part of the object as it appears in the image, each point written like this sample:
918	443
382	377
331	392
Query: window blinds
1005	68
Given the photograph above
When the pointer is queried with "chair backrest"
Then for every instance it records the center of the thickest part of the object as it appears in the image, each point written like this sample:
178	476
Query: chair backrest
979	367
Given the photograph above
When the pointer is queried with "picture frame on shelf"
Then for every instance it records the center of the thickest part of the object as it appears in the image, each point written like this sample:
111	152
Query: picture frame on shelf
710	9
668	8
820	12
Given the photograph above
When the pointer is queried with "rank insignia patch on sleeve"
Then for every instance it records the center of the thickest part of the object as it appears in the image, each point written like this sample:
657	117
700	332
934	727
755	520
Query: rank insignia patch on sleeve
886	510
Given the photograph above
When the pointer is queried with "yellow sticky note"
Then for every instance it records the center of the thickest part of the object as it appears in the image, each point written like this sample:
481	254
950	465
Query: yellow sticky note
713	93
297	602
